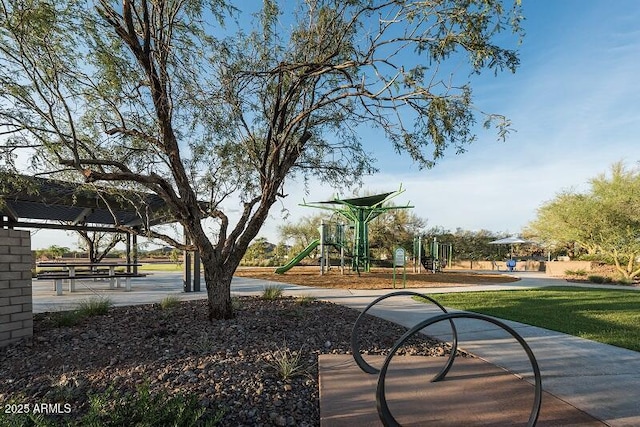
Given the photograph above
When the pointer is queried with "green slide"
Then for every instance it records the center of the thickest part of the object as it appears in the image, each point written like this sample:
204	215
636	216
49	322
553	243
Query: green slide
298	258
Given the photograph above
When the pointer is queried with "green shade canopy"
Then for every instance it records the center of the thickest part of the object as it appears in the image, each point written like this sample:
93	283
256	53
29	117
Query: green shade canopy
367	201
360	211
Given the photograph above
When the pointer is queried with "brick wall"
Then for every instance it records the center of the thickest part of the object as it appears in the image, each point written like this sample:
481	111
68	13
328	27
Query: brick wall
16	310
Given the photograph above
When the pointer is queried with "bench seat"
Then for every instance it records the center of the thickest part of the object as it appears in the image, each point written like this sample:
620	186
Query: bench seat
115	279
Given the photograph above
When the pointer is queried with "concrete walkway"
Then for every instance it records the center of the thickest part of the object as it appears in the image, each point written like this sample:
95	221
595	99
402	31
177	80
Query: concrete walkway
599	379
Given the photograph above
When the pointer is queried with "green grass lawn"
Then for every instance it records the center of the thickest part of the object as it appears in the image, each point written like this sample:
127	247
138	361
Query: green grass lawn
161	267
607	316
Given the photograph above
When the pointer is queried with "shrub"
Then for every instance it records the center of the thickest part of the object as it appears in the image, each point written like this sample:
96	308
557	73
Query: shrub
204	344
111	408
272	292
169	302
146	409
66	318
305	299
624	281
579	273
599	279
94	306
287	363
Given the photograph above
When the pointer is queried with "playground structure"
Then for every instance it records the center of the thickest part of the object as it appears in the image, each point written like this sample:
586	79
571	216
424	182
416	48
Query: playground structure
331	235
434	256
359	212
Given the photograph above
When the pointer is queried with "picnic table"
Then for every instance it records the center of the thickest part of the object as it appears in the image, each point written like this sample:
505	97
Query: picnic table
73	271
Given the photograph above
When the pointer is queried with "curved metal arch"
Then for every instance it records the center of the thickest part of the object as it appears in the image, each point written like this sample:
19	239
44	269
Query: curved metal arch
381	401
355	346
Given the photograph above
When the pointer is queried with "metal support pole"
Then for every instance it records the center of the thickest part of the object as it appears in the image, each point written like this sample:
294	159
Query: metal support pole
128	252
322	248
186	276
419	254
341	242
135	254
435	254
196	271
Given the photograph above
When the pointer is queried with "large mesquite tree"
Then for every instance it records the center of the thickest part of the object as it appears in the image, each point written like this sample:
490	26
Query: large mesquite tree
198	102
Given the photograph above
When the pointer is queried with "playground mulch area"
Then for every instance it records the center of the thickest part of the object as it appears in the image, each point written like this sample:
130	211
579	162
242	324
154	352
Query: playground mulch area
378	278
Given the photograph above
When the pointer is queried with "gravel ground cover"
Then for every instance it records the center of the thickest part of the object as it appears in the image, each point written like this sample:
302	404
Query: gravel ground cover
378	278
231	366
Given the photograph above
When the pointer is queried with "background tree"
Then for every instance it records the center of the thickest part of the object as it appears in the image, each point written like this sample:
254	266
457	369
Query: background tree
474	245
98	244
155	96
53	252
259	252
605	220
393	229
301	233
567	223
468	244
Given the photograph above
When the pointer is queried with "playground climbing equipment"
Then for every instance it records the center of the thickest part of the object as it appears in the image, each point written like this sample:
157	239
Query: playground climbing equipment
295	260
434	255
384	412
332	235
360	211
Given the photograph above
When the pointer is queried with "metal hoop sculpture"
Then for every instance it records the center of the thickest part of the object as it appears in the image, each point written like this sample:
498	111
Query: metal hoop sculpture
355	347
381	401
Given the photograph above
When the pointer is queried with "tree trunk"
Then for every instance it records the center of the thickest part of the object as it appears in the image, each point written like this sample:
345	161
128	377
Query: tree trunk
624	272
217	278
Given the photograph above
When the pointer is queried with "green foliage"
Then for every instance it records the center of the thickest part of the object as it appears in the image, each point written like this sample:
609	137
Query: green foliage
86	308
112	408
393	229
66	318
272	292
52	252
467	244
145	408
175	106
287	363
94	306
264	254
578	273
236	303
301	233
605	220
169	302
596	278
605	315
204	344
258	250
174	256
305	299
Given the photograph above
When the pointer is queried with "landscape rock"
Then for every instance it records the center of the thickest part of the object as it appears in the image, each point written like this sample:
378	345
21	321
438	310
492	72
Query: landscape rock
226	365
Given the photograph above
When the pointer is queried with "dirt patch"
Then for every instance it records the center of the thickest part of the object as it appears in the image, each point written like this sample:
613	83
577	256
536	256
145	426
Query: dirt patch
379	278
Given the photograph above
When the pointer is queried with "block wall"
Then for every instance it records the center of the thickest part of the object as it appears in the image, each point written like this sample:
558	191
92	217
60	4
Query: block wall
16	309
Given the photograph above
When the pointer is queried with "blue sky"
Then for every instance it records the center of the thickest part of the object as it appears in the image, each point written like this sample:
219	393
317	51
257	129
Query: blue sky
575	105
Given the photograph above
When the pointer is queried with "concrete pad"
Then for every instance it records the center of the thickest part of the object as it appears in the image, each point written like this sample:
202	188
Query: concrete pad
474	393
